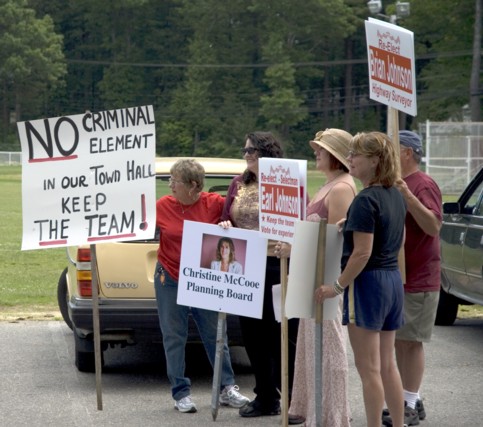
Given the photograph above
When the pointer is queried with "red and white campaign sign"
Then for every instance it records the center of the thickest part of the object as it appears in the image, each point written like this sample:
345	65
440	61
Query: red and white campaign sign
282	188
392	77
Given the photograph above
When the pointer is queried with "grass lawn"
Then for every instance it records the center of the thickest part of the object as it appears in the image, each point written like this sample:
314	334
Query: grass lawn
28	288
29	278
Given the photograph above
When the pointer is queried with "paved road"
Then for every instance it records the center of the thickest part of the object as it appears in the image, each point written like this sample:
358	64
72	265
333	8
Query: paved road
39	385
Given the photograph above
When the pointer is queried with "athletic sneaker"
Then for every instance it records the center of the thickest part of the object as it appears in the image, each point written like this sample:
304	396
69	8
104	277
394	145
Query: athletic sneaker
185	404
419	408
230	396
411	417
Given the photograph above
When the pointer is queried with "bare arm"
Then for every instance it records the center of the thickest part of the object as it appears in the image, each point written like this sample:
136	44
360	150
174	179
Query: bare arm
357	261
425	218
360	255
338	202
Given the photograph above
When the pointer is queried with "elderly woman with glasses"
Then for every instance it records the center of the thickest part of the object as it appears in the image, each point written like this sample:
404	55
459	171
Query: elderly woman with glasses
187	202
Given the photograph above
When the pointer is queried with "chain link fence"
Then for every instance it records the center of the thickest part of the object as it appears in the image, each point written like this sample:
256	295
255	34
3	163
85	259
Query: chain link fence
453	153
10	158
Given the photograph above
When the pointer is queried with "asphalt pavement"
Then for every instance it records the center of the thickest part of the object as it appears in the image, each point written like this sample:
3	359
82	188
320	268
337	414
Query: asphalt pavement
40	386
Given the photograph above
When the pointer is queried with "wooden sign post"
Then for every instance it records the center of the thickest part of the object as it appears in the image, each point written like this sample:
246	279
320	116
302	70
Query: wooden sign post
220	344
96	325
319	331
285	341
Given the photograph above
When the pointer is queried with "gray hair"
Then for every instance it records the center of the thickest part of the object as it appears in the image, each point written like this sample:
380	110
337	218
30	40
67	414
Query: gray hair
189	171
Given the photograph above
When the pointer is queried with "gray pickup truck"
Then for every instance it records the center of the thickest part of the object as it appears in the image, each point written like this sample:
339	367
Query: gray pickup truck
462	252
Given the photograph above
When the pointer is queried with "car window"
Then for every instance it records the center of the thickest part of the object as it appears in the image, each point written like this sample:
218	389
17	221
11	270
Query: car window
213	184
474	205
478	210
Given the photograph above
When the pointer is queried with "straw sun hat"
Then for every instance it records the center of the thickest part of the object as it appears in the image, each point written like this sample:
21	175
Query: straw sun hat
335	141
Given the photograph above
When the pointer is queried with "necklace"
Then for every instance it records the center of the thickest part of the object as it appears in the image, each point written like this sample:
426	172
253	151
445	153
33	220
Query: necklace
186	209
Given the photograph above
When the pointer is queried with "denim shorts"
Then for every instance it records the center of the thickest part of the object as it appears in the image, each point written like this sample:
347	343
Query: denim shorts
375	301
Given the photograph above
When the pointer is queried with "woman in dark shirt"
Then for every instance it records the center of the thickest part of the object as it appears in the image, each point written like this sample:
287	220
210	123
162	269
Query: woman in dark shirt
370	278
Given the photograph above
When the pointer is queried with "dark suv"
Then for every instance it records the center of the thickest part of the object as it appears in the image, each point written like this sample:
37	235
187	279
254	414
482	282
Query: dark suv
462	252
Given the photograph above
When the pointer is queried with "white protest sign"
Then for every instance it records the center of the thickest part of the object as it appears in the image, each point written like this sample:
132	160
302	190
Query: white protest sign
88	178
392	76
201	282
301	286
282	189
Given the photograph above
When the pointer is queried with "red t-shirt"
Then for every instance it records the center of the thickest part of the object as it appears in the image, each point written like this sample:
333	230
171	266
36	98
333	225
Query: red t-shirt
170	219
422	252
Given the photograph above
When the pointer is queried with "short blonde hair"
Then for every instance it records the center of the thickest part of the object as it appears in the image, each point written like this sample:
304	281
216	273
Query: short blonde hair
380	145
189	171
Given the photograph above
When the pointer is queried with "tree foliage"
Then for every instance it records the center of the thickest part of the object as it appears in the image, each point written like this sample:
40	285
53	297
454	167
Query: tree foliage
444	33
215	70
31	59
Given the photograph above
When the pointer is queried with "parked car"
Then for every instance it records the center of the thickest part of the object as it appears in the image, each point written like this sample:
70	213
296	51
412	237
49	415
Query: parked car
125	270
462	252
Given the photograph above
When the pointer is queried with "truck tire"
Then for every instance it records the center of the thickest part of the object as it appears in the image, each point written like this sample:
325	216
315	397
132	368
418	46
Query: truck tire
62	298
447	309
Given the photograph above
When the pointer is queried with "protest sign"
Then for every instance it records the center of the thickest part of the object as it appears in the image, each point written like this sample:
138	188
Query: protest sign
303	266
201	282
392	77
88	178
282	189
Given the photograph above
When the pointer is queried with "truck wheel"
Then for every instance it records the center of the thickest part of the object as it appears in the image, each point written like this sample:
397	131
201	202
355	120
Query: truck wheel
447	309
63	297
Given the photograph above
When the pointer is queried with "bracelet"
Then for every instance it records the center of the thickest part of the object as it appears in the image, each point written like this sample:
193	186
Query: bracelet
338	288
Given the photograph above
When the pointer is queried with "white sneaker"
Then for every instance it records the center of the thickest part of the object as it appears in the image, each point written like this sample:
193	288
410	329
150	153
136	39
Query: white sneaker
185	404
230	396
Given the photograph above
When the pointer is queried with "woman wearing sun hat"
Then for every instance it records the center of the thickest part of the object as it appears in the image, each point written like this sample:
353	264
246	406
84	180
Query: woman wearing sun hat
331	202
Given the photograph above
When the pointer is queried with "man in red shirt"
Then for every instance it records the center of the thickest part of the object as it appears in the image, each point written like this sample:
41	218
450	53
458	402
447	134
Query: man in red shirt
423	277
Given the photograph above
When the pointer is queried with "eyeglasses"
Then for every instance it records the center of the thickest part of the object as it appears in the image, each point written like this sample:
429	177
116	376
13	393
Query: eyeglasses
172	181
248	150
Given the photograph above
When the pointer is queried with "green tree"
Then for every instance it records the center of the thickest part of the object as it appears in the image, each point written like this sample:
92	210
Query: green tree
121	82
191	106
31	58
475	93
213	101
216	70
444	38
281	106
295	42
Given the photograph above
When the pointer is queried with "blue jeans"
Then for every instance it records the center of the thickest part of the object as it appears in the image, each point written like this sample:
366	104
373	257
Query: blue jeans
173	320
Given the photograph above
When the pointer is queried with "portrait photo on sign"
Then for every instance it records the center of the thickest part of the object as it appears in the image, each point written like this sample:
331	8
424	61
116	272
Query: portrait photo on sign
223	253
222	269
